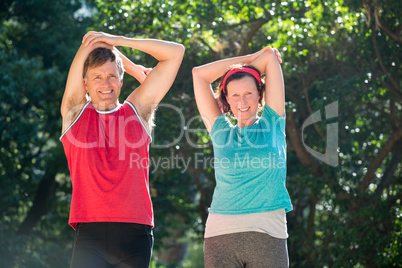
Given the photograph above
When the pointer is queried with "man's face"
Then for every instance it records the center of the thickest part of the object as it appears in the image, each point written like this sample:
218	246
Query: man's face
104	84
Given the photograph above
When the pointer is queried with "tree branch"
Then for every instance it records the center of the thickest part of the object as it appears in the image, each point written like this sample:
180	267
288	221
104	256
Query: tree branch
46	189
295	138
395	120
254	29
304	157
389	173
213	52
389	146
389	32
310	110
395	85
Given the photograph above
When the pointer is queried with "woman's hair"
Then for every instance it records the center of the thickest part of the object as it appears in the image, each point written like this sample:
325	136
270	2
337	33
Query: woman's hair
99	56
222	93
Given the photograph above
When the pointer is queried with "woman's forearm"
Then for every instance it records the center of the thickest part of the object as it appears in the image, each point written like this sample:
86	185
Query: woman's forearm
212	71
131	68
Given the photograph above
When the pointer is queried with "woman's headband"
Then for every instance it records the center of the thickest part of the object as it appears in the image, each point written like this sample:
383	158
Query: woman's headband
253	72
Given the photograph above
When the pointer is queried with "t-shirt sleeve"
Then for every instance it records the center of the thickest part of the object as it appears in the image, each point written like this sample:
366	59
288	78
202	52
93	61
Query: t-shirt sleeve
270	116
220	123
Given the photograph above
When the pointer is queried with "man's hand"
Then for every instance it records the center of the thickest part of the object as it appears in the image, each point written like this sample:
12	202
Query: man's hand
92	37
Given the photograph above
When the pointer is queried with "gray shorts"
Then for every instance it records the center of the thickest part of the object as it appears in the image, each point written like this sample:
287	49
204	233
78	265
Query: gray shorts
247	249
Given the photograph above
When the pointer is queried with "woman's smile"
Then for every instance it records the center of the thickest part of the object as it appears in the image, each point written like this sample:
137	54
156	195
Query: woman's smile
243	98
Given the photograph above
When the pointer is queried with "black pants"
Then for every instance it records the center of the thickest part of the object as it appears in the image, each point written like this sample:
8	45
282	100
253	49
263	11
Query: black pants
112	244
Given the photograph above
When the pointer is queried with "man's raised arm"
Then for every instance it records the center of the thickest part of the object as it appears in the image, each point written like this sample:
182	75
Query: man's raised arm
74	94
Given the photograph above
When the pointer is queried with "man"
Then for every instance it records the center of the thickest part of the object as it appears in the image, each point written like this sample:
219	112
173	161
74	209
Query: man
111	209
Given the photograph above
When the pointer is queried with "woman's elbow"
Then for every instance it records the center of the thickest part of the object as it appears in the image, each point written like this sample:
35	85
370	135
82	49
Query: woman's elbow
195	71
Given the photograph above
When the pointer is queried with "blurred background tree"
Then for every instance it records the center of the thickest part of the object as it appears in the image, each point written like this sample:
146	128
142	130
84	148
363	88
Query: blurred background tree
338	52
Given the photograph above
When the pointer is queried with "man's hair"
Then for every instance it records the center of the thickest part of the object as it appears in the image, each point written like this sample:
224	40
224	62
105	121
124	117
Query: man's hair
100	56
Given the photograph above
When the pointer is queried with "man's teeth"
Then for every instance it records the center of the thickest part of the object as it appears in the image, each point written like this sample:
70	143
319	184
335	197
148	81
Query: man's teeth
106	92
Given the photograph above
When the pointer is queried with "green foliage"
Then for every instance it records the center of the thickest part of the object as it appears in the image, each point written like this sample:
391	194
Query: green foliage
35	190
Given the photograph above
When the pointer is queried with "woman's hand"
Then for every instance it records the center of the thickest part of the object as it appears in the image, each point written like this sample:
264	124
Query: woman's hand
258	53
265	49
142	72
277	54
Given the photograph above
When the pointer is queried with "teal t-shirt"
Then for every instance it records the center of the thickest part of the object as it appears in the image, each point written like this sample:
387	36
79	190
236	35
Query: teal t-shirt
250	166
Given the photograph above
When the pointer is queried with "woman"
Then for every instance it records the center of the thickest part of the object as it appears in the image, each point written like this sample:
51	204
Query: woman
246	225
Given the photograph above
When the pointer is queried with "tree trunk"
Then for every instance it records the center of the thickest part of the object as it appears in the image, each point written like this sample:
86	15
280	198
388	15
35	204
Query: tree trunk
45	190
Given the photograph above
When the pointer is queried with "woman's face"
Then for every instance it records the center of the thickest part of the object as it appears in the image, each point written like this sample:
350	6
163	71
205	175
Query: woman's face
243	99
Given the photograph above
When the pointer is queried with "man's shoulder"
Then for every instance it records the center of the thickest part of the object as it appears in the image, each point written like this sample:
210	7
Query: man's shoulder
72	115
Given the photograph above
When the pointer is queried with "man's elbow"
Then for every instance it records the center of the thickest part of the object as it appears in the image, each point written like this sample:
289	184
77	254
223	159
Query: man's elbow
63	108
180	49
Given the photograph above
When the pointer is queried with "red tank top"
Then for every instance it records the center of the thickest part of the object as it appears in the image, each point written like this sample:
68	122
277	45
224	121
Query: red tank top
107	153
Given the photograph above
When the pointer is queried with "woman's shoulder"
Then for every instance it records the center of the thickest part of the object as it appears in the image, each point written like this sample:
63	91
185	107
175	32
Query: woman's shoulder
223	121
269	112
